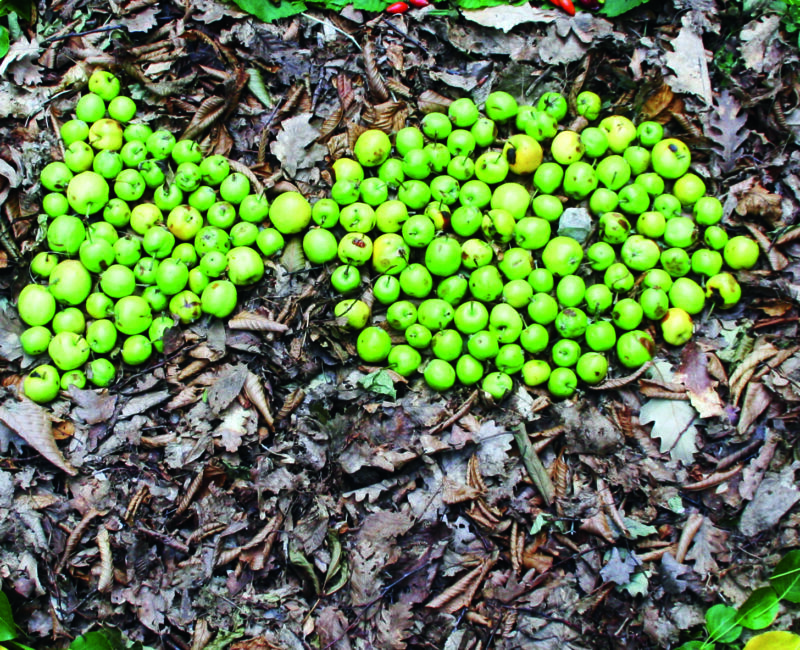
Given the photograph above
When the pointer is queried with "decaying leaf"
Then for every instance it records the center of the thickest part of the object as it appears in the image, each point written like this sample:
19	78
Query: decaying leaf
617	570
673	422
693	374
708	541
688	60
33	424
290	146
760	202
727	130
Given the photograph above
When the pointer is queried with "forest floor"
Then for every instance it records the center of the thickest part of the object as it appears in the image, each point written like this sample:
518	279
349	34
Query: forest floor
380	514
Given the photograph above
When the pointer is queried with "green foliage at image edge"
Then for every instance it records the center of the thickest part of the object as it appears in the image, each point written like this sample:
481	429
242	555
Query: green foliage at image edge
725	624
269	10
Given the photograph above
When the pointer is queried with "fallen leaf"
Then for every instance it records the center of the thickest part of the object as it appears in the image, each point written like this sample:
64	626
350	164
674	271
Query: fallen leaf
507	17
756	400
32	423
760	43
18	61
290	145
776	495
144	21
693	373
708	541
673	422
617	570
688	59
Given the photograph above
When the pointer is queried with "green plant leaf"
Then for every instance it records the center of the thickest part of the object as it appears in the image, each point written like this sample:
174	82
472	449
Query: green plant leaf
479	4
97	640
8	629
785	579
23	8
760	609
617	7
369	5
4	43
379	382
721	624
271	11
696	645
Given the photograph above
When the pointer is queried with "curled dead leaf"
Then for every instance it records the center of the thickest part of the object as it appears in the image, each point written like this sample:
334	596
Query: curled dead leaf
33	424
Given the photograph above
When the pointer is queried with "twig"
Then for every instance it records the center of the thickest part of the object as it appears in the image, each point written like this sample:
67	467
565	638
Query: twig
333	27
61	37
534	465
408	37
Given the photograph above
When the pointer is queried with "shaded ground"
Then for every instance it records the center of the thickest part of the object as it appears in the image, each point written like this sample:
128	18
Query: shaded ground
386	516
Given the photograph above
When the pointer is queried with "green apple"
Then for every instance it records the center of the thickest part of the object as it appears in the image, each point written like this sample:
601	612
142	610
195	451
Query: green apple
635	348
136	349
324	213
534	338
167	197
600	336
107	163
68	350
219	299
518	293
541	280
506	322
651	182
453	289
320	245
677	326
649	133
355	248
510	359
627	314
186	306
172	276
688	295
553	103
543	308
592	368
87	193
638	158
466	220
99	305
562	382
600	255
74	131
475	193
391	173
106	135
373	191
523	153
562	255
439	374
654	303
56	176
442	256
639	253
603	200
498	225
137	132
594	141
471	316
373	344
35	340
724	289
618	278
740	253
535	372
614	172
706	262
500	106
404	360
245	266
707	210
435	313
234	188
598	299
418	336
416	281
483	345
390	253
101	335
485	283
78	157
406	139
634	199
476	253
70	319
588	104
41	384
346	278
69	283
565	353
65	234
357	217
386	289
671	158
620	132
651	224
567	147
101	372
129	185
401	315
491	167
372	148
668	205
215	169
657	279
680	232
571	323
469	370
676	262
689	188
447	344
532	233
497	384
580	180
512	197
55	204
157	329
132	315
122	108
270	241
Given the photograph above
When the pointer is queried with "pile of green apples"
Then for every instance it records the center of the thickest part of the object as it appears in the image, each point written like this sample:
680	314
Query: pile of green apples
143	233
454	230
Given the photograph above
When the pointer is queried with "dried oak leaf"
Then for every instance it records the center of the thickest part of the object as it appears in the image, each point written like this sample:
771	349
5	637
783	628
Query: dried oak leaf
693	373
20	62
727	130
617	570
392	626
759	201
291	143
673	422
708	541
32	423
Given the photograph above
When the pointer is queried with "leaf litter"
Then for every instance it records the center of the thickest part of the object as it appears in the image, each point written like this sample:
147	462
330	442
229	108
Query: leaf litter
256	488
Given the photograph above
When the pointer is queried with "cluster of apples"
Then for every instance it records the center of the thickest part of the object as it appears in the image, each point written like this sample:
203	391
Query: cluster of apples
143	232
459	228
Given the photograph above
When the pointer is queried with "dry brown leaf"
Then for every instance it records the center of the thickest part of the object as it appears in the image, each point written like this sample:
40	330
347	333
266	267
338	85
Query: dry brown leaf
658	102
760	202
432	102
453	492
708	541
756	400
374	79
460	594
253	321
33	424
254	390
693	374
776	259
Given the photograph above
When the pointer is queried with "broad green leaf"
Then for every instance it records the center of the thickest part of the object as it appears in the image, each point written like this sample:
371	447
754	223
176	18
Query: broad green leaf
22	8
4	43
617	7
721	624
8	630
778	640
479	4
758	611
379	382
271	11
370	5
785	579
97	640
696	645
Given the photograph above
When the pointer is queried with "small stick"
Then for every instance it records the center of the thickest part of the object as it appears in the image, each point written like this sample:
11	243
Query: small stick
460	413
